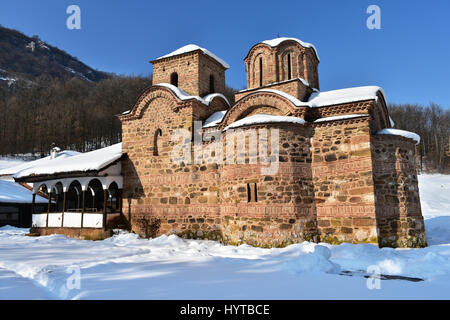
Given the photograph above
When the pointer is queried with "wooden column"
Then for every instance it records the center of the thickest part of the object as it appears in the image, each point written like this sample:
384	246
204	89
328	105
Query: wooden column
48	208
64	208
119	198
32	204
105	204
83	207
56	202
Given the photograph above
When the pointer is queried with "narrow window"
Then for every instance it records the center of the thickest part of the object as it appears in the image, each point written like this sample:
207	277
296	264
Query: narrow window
289	66
158	133
260	72
211	84
252	192
174	79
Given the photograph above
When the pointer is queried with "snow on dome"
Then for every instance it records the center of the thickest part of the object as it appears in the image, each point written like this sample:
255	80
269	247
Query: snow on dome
193	47
39	162
293	99
211	96
181	94
264	118
343	117
403	133
93	160
12	192
214	119
326	98
275	42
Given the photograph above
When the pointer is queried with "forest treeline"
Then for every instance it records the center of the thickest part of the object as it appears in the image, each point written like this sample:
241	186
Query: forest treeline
432	123
71	113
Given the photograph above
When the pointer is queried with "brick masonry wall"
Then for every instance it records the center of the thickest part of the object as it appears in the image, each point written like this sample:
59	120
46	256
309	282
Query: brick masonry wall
178	198
193	71
323	189
399	214
343	184
284	211
294	87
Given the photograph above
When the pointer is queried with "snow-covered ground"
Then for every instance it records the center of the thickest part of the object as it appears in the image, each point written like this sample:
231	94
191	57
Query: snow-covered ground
127	267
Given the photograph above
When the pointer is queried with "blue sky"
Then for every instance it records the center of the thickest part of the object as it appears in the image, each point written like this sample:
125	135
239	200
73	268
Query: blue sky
408	57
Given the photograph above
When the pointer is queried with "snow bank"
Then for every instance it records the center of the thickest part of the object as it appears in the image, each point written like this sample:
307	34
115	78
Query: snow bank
264	118
93	160
317	261
193	47
326	98
275	42
402	133
168	267
11	192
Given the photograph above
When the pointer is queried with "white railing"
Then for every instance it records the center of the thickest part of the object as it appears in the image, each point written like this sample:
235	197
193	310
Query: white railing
71	220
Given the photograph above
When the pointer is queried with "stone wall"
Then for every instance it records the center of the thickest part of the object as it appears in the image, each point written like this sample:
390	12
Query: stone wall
270	210
399	215
343	184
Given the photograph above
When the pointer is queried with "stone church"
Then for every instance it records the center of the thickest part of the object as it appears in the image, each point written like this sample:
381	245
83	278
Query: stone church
343	173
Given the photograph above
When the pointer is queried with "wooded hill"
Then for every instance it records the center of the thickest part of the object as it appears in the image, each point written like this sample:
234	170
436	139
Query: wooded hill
27	58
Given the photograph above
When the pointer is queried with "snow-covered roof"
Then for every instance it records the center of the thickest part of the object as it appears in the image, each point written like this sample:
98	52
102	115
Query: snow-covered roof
275	42
12	192
89	161
211	96
36	163
403	133
343	117
264	118
326	98
214	119
194	47
183	95
391	122
293	99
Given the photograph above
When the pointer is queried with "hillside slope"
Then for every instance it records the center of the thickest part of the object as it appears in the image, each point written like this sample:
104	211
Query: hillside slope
26	58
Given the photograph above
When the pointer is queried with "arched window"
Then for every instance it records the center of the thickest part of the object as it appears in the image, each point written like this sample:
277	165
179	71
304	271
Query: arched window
174	79
260	72
211	84
158	133
289	67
